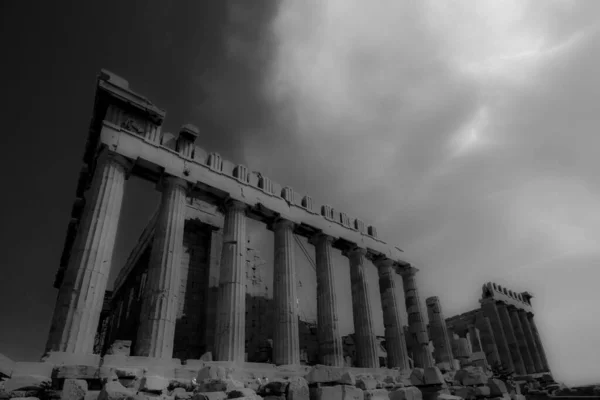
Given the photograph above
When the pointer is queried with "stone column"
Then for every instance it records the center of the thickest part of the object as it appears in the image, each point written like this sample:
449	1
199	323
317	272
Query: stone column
422	357
511	339
395	342
81	295
156	332
521	340
489	309
529	338
488	341
367	353
439	332
231	303
538	343
286	339
331	351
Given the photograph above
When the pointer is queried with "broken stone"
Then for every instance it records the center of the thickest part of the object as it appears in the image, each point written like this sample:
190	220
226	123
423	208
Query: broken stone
482	391
298	389
445	396
274	388
417	376
114	391
206	356
92	395
406	393
6	366
242	393
210	396
218	385
120	347
376	394
433	376
347	378
153	383
340	392
366	382
74	389
211	372
497	387
471	376
467	393
324	374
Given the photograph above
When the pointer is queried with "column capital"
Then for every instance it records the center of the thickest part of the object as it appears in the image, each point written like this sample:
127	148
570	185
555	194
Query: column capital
383	262
408	271
119	159
234	205
354	251
279	223
318	237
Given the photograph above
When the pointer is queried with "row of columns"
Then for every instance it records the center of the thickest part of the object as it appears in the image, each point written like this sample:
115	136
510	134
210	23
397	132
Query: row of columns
81	295
516	342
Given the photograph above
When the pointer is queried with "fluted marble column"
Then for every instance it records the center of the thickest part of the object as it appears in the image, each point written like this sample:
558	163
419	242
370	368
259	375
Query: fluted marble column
511	339
81	295
422	357
367	353
395	342
538	343
474	339
439	332
231	308
529	337
490	310
286	339
331	350
521	340
488	341
156	332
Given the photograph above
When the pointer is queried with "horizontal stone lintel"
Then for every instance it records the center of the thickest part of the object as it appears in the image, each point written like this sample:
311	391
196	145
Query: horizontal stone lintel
223	186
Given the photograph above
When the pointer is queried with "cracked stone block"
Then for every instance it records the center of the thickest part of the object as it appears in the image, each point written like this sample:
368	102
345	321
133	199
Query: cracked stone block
366	382
153	383
471	376
74	389
325	374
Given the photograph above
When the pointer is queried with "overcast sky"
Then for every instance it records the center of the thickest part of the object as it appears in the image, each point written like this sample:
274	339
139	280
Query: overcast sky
465	131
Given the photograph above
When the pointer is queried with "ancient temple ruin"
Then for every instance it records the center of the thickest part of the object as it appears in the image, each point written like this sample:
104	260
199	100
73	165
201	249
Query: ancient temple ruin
192	291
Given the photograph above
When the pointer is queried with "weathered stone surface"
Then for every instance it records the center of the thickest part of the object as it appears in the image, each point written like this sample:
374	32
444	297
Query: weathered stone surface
347	378
497	387
24	398
120	347
114	391
417	376
341	392
376	394
433	376
298	389
211	372
406	393
482	391
6	366
366	382
153	383
324	374
74	389
470	376
274	388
